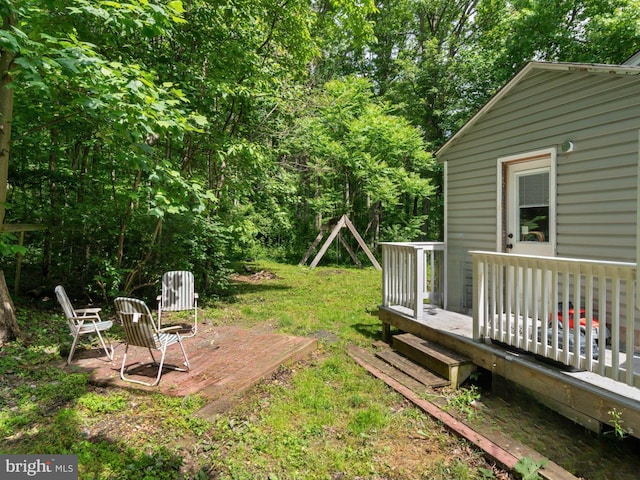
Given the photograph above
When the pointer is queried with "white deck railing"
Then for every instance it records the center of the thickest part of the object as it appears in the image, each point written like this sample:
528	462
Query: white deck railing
524	301
412	275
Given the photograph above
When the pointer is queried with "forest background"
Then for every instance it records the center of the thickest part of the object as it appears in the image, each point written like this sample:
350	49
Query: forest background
155	135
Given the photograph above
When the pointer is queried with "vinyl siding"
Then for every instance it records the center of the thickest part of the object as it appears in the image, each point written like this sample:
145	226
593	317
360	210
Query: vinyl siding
596	183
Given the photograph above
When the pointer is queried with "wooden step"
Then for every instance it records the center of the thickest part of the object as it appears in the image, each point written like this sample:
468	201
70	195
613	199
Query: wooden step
412	369
446	363
391	371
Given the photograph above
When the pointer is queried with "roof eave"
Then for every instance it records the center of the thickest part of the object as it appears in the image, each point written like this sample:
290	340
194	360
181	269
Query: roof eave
517	78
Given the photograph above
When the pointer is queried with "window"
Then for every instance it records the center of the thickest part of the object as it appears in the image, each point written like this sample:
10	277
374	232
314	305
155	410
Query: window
533	206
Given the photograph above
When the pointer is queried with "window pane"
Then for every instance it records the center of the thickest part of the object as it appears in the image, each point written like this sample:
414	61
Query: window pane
533	208
533	189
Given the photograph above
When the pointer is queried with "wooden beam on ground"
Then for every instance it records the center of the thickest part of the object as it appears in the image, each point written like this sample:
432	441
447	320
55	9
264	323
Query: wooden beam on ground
549	471
498	454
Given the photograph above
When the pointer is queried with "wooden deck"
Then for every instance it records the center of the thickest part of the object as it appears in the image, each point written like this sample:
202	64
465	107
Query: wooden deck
584	397
225	362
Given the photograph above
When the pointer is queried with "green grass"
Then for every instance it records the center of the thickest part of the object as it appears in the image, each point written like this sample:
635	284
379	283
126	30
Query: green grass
325	417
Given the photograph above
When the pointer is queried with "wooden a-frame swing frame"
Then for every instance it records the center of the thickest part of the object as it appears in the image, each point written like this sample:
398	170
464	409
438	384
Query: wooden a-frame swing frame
336	232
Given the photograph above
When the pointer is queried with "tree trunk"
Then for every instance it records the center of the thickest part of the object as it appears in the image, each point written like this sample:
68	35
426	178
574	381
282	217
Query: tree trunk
6	115
9	329
125	219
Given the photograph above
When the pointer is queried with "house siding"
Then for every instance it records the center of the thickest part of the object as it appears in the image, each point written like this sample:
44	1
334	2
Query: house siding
596	183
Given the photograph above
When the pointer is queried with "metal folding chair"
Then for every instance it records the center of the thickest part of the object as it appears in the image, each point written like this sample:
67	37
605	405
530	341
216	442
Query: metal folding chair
141	331
178	294
84	321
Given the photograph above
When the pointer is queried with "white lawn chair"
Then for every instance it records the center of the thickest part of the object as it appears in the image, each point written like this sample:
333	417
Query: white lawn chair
82	322
141	331
178	294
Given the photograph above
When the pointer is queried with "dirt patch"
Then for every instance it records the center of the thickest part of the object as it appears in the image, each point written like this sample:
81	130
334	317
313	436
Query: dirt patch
257	277
325	336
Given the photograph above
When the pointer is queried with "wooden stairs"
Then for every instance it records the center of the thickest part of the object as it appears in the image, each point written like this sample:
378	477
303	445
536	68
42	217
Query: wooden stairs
452	366
425	362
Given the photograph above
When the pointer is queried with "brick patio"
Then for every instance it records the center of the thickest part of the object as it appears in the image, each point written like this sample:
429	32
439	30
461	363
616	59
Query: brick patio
225	362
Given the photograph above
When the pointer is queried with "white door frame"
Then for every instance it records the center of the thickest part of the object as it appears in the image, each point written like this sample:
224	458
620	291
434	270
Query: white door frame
549	154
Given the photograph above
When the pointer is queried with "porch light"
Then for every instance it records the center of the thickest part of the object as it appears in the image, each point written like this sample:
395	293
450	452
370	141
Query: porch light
567	147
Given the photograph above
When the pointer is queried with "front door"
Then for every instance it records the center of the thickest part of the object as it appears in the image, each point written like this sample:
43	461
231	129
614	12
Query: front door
529	205
527	217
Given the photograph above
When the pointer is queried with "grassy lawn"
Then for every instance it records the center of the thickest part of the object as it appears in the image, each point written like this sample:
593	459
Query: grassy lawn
324	418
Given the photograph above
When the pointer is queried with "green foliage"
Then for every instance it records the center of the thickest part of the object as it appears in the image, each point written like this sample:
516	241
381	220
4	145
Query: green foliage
34	394
369	420
616	421
463	400
162	464
94	111
486	473
150	136
343	29
9	245
440	62
528	468
404	232
602	31
353	156
103	460
101	403
16	354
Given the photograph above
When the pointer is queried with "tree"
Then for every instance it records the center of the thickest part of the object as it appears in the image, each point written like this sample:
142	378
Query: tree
354	157
58	79
154	134
9	329
441	60
591	31
6	106
344	32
